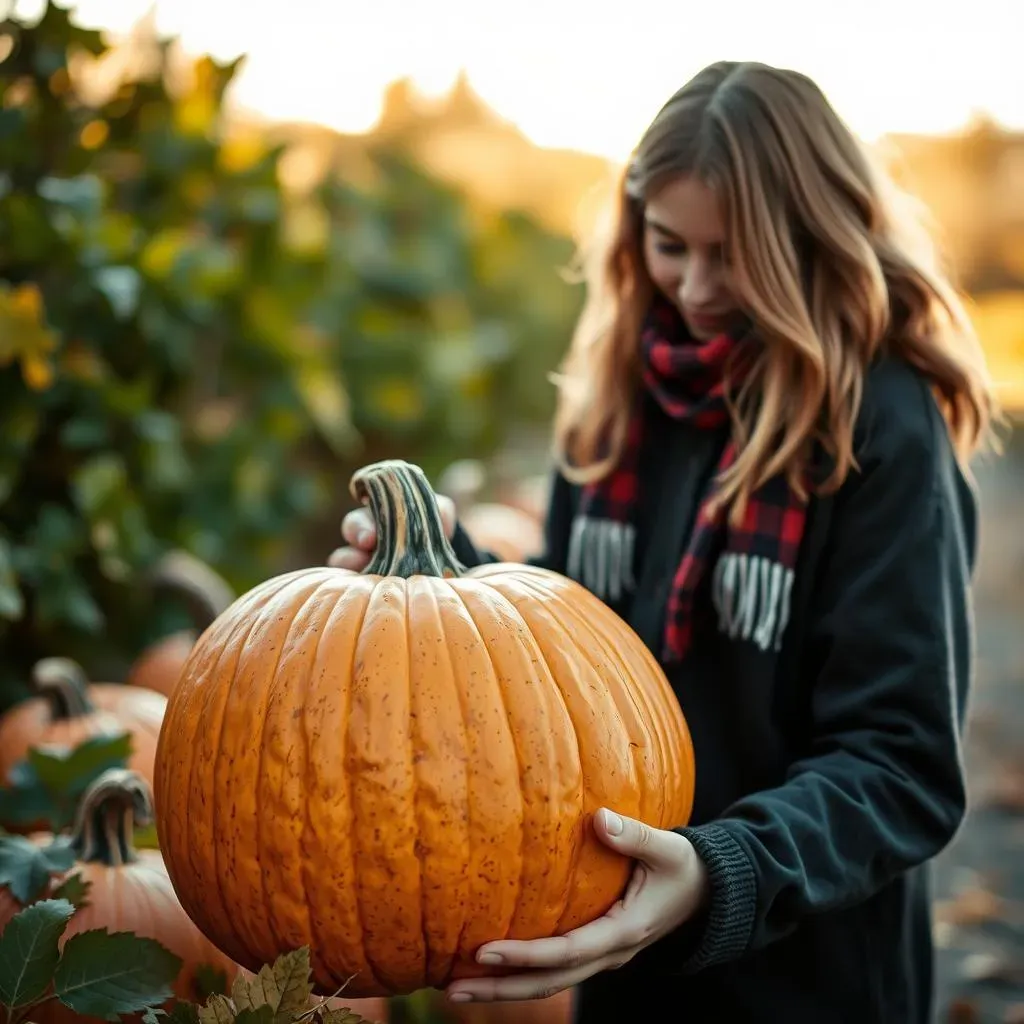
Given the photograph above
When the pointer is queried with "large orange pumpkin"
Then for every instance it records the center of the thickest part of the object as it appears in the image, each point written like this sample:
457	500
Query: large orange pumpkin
69	710
129	888
398	765
206	594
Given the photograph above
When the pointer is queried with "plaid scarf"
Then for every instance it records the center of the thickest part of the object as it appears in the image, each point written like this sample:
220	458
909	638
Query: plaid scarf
756	558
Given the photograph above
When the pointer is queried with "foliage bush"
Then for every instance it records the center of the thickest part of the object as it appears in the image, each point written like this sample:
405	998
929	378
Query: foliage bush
192	356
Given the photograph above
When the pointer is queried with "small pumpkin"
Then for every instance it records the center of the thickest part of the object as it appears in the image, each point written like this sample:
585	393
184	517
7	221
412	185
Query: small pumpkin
69	709
396	766
206	594
128	888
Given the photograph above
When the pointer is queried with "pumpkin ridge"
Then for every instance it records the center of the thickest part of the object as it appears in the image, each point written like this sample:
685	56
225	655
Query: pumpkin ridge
416	786
307	896
165	776
452	954
542	637
325	835
257	779
576	621
515	747
216	813
538	642
187	839
357	898
251	884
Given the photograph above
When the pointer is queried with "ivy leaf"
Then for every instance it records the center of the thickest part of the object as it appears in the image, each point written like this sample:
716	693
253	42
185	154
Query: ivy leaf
26	867
105	974
71	772
74	889
218	1010
29	951
285	987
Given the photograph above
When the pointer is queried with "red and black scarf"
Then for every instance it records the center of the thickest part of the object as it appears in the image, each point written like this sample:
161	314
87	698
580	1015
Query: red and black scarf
685	378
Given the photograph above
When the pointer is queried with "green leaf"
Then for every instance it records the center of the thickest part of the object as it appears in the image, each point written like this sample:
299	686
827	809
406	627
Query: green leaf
74	889
70	772
98	483
285	987
105	974
29	951
26	867
12	604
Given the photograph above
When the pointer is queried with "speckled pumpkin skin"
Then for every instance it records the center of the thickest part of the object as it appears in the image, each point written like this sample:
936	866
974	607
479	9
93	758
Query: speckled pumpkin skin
396	766
395	771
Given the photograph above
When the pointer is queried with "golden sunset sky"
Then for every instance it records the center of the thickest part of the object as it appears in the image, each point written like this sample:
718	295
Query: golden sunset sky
589	76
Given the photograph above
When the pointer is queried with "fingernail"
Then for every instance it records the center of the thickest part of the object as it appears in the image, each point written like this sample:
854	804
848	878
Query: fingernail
460	997
490	958
612	823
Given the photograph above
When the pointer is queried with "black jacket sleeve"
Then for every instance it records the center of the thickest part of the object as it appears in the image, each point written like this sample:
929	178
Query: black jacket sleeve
882	787
557	530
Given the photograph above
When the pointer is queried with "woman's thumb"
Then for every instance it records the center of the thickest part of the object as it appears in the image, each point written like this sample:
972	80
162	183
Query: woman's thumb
636	839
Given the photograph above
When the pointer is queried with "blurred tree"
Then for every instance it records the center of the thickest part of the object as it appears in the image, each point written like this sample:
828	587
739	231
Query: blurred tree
191	356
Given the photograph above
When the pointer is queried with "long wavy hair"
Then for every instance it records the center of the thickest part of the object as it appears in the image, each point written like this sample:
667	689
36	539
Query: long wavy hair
829	260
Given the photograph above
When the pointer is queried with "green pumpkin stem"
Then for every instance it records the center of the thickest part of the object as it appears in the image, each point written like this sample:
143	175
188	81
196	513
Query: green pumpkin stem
65	685
111	807
410	535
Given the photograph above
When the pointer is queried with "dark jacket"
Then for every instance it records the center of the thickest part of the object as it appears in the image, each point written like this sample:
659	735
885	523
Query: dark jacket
829	770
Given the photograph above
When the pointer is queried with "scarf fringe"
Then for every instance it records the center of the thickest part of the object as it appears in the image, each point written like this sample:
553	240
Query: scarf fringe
601	557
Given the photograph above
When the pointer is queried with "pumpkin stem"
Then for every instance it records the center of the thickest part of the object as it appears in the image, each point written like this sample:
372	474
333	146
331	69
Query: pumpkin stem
410	535
110	808
204	590
64	684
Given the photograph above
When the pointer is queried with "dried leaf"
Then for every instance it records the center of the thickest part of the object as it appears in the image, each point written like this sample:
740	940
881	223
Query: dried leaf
285	987
218	1010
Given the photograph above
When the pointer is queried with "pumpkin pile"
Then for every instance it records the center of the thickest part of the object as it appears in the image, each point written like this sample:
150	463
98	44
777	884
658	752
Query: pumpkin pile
68	708
127	889
395	766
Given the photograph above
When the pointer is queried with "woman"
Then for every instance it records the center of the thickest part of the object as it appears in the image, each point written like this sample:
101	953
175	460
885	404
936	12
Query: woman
762	434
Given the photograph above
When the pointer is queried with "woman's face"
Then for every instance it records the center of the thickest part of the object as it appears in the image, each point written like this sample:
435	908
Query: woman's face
685	252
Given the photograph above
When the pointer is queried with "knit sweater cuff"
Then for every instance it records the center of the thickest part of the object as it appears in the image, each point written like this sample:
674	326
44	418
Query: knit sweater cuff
733	897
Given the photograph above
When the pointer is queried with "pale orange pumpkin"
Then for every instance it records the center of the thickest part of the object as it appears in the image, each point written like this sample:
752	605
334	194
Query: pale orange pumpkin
129	889
206	594
69	710
396	766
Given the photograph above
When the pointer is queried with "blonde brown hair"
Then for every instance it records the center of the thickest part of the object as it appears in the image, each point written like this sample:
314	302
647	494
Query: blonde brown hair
828	259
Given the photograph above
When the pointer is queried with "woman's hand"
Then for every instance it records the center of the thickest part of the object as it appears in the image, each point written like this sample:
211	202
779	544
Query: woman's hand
668	885
360	537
